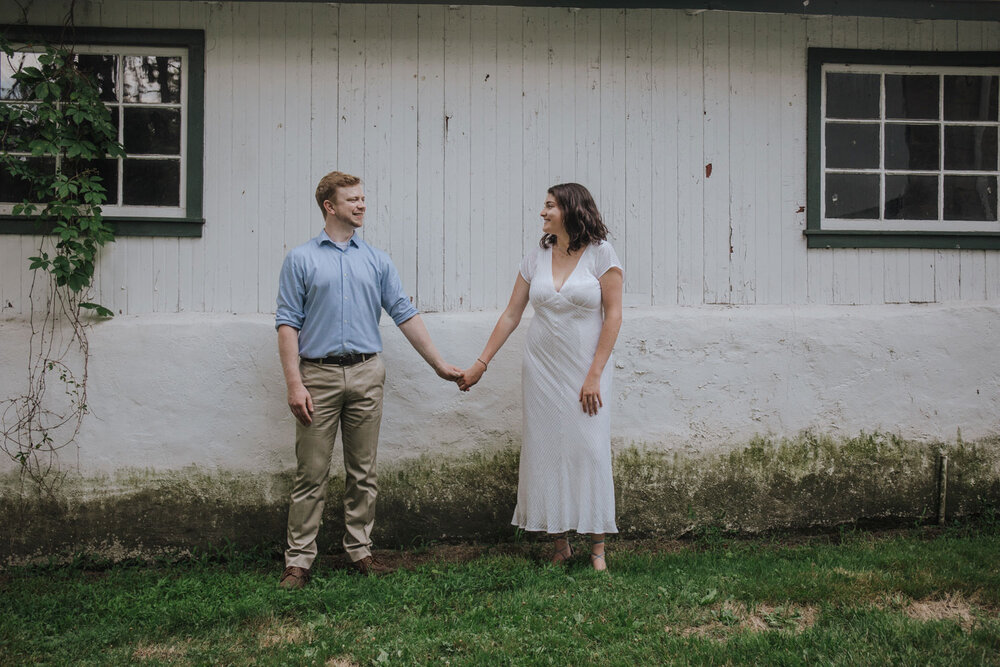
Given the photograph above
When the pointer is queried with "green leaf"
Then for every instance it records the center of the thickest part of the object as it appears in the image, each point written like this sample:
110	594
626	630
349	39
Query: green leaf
38	146
100	310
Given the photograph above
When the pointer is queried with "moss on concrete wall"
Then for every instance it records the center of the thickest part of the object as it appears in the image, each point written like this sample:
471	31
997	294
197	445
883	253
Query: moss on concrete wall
811	481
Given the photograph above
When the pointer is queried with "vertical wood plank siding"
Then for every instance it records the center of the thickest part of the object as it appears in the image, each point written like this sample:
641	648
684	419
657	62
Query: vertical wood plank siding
689	130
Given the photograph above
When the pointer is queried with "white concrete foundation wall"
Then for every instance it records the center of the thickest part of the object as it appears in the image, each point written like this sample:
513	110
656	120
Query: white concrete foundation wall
168	391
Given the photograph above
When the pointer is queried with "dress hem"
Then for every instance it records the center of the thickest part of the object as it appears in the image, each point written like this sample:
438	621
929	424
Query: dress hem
583	531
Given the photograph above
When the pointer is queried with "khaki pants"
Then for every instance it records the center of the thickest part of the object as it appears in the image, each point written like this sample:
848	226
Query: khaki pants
351	397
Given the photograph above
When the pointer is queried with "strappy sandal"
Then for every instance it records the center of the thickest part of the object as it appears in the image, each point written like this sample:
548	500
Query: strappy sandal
561	556
594	558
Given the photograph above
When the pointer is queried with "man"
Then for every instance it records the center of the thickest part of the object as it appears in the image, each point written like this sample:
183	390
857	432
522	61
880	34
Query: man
331	293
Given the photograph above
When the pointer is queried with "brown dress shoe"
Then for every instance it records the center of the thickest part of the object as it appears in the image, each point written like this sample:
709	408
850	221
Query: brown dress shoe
369	566
294	578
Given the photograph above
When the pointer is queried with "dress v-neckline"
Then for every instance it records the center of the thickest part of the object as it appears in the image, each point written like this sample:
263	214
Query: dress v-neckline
569	275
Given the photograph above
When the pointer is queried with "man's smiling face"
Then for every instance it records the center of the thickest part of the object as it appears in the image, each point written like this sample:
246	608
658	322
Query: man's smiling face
349	207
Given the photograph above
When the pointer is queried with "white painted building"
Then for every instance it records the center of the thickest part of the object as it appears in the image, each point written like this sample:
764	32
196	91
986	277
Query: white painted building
697	129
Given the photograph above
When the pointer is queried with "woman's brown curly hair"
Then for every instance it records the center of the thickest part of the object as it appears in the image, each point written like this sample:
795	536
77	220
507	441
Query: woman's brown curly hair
581	218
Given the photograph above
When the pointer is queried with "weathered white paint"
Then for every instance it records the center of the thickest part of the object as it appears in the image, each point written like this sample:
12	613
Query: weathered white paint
459	118
168	391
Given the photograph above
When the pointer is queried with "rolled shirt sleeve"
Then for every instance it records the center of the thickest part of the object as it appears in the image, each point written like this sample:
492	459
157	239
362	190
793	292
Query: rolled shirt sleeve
394	297
291	294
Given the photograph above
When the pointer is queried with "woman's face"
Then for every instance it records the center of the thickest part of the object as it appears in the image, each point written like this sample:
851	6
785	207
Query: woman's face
552	217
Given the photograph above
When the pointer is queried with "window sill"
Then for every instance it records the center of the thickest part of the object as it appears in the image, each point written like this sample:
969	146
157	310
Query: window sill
826	238
170	227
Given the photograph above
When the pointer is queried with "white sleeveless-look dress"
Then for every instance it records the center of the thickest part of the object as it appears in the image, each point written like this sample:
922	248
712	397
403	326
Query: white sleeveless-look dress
565	478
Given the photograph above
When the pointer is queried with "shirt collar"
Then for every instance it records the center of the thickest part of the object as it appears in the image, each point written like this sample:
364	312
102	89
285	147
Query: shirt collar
323	237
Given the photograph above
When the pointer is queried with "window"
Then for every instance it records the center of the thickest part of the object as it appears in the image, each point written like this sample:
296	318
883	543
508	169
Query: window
153	83
903	149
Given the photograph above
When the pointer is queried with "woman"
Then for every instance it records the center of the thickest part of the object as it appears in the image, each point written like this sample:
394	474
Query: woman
574	283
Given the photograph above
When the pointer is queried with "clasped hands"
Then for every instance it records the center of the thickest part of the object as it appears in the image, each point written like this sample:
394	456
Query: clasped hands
471	375
464	379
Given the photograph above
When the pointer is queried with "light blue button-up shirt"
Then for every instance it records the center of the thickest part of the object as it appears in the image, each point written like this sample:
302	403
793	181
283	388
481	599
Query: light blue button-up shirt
335	296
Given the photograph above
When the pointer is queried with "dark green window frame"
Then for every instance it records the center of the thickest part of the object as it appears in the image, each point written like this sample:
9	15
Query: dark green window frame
193	42
816	236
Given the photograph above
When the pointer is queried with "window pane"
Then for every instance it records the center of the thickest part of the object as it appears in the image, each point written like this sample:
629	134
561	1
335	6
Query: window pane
912	96
106	169
852	95
970	198
968	147
852	146
103	69
9	88
116	121
152	131
852	196
970	98
152	183
912	146
16	189
911	197
152	79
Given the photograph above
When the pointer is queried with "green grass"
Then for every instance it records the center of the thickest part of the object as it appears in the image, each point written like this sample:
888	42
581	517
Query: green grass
918	597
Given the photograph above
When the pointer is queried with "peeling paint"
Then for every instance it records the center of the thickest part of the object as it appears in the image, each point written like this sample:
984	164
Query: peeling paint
767	485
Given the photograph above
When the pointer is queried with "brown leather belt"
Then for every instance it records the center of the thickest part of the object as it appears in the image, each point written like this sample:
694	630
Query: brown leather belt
346	360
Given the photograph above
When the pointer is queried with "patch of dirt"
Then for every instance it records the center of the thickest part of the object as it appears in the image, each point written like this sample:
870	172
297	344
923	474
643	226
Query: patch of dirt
410	559
532	548
445	553
950	608
161	652
731	618
340	662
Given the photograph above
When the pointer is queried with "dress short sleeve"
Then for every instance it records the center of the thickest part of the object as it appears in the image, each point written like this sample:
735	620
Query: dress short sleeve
605	258
529	264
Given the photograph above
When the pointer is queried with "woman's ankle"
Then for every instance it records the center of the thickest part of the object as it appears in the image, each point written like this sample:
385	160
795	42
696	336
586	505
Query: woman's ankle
562	549
597	560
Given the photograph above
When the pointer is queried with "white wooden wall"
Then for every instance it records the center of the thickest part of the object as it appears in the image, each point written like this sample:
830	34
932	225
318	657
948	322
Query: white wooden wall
459	119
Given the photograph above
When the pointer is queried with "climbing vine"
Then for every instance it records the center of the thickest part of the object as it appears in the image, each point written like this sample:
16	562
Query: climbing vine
53	130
